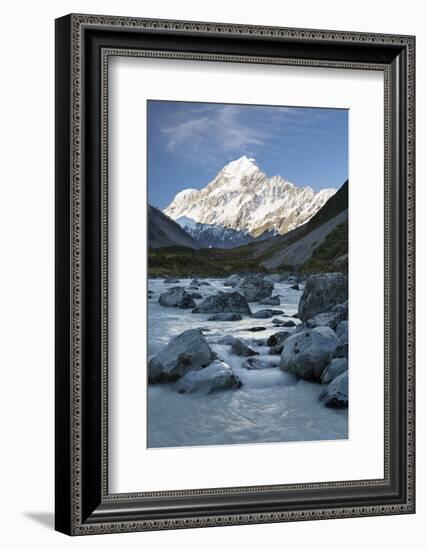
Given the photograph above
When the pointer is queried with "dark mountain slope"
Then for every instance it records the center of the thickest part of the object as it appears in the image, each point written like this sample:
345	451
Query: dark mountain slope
164	232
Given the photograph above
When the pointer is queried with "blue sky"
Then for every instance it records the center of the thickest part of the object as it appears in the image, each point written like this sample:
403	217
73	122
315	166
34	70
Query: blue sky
189	143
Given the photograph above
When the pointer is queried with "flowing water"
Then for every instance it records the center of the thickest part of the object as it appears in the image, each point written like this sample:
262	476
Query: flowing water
270	406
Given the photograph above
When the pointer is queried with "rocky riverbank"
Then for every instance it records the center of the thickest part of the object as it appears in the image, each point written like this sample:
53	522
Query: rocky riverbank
249	335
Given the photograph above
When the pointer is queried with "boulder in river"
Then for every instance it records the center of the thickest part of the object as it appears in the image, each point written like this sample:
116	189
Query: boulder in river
226	340
241	349
333	369
271	301
217	376
176	297
279	322
332	318
171	280
232	280
307	353
336	394
326	319
255	288
278	338
256	329
198	282
321	293
187	352
342	350
342	309
196	295
203	329
223	302
342	331
266	313
225	317
257	363
276	342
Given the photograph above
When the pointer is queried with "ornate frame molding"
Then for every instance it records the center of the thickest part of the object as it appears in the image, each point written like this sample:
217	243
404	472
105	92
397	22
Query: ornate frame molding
73	517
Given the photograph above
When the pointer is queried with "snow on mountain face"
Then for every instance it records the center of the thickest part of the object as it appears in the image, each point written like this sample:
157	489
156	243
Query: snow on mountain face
241	197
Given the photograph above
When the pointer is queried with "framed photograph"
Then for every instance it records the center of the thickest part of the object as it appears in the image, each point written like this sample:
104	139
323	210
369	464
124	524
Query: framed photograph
234	274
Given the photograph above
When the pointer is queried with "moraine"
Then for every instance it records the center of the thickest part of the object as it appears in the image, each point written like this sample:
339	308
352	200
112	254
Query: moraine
270	406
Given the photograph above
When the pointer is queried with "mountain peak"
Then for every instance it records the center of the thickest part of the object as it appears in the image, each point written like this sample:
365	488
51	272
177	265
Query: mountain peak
244	198
242	166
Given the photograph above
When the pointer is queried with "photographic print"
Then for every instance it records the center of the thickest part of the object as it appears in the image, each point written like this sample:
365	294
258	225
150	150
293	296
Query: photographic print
247	284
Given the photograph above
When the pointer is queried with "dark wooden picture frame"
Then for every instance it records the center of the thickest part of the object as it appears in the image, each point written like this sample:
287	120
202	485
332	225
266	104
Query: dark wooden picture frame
83	46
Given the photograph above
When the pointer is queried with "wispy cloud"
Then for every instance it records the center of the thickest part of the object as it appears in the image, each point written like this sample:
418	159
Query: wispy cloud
213	129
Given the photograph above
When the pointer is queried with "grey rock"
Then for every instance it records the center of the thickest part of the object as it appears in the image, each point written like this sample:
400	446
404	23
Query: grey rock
342	331
295	287
333	369
225	317
307	353
266	313
336	394
271	301
241	349
326	319
321	293
256	329
273	277
342	350
277	338
232	280
276	350
278	322
176	297
227	340
171	280
223	302
255	288
258	341
255	363
187	352
217	376
330	318
203	329
342	309
197	282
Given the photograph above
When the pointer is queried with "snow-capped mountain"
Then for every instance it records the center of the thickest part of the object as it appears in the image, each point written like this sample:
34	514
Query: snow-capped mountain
242	198
217	236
